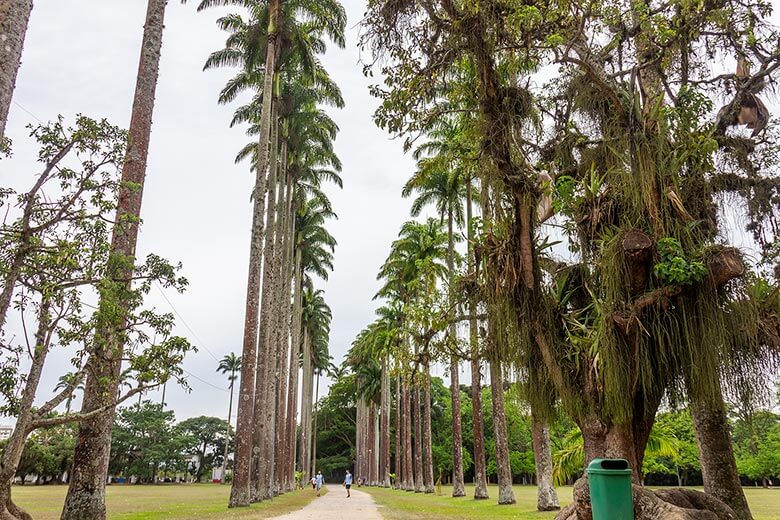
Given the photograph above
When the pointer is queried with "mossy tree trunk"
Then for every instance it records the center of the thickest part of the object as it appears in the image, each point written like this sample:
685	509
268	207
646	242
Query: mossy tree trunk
718	466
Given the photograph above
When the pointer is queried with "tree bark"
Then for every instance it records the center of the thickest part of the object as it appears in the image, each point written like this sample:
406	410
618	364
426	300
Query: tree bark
506	494
266	354
480	473
14	17
304	454
419	487
295	352
86	492
409	465
385	426
398	402
227	436
282	326
427	440
547	498
718	466
314	427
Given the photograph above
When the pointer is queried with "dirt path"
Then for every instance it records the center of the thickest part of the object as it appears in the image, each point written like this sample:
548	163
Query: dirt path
336	506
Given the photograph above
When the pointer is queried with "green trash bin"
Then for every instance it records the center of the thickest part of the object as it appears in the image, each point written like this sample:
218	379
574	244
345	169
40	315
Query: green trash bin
610	489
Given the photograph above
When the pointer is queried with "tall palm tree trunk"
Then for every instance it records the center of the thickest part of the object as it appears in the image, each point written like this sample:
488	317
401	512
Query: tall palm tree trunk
458	487
285	307
86	496
314	427
547	498
304	454
506	494
409	465
398	429
377	459
419	486
240	492
266	358
14	17
480	473
359	445
385	426
295	342
427	441
281	327
227	435
718	466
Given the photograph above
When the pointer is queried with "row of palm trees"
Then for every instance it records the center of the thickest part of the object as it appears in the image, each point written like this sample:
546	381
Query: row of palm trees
276	47
423	272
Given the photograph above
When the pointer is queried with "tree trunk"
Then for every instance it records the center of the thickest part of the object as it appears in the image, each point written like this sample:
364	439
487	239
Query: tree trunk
295	353
14	17
547	498
86	496
418	459
427	441
385	423
12	454
227	436
304	454
409	465
282	326
718	467
480	473
398	428
314	427
506	494
358	437
266	358
458	488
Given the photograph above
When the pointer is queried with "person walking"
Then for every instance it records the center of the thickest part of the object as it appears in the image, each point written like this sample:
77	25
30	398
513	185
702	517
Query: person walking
348	482
319	482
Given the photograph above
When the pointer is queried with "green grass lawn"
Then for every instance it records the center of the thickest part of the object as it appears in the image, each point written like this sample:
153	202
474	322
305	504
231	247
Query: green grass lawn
400	505
167	501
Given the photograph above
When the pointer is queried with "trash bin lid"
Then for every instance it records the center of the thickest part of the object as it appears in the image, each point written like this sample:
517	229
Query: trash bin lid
609	467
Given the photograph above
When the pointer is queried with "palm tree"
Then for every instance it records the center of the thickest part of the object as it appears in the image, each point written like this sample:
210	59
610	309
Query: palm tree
14	16
232	364
438	182
86	490
272	30
315	320
69	380
415	263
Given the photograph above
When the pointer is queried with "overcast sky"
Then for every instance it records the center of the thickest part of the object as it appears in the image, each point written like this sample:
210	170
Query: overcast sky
81	56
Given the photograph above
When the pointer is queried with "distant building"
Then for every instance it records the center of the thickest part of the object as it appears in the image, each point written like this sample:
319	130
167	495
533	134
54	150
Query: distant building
5	431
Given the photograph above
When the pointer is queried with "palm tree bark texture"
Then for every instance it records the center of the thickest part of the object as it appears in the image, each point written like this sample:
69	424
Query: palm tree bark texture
86	492
240	493
14	17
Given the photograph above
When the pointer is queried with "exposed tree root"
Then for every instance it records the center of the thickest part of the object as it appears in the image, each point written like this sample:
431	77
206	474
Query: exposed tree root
667	504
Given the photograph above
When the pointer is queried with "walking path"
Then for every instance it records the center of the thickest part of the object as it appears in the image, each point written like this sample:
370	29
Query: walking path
336	506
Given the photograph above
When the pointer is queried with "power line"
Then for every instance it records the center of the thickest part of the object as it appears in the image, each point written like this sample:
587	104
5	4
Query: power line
200	341
203	380
29	113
